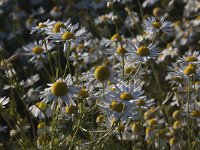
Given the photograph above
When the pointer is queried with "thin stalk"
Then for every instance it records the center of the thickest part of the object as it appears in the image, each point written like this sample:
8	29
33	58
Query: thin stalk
123	64
68	64
20	91
49	56
140	7
78	125
140	64
77	67
59	62
188	109
54	125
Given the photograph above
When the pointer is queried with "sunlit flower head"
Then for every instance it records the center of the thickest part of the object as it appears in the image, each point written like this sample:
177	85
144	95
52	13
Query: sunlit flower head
151	25
126	92
142	53
60	92
40	110
190	57
68	33
41	27
116	109
104	73
37	52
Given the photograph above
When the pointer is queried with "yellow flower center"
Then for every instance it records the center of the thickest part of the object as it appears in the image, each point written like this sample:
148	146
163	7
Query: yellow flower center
116	37
102	73
136	127
41	105
55	9
83	94
113	89
161	133
148	114
121	128
70	109
118	107
100	118
67	36
152	122
148	130
177	125
41	125
157	11
41	25
157	24
121	50
126	96
172	141
140	102
57	26
130	70
176	114
143	51
195	113
59	88
38	50
189	70
191	59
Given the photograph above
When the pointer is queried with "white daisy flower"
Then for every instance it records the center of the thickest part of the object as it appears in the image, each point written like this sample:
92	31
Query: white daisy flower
32	94
41	27
179	74
40	110
106	18
126	92
116	109
190	57
170	50
60	92
56	26
173	77
151	25
188	70
37	52
4	101
69	34
141	53
103	74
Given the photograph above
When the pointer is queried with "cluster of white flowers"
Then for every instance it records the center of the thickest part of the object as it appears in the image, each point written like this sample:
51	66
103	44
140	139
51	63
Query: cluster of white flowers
128	76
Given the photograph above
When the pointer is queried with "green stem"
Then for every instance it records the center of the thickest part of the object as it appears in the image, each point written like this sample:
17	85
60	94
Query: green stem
54	123
78	126
68	64
59	62
49	57
188	109
140	7
77	67
138	68
123	64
